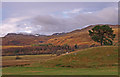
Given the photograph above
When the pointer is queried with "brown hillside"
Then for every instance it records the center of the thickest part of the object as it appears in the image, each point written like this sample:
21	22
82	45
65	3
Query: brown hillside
80	37
20	39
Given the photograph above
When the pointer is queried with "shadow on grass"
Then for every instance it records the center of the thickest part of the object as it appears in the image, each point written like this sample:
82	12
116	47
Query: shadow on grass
60	76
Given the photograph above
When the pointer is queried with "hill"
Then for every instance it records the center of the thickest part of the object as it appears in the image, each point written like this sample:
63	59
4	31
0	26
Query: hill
79	37
96	57
23	39
91	61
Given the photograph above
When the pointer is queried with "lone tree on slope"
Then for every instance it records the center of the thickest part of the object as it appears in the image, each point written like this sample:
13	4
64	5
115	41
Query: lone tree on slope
102	34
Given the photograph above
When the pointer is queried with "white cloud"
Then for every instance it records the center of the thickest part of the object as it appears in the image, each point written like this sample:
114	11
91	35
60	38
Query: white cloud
89	12
7	28
40	21
73	11
52	24
10	25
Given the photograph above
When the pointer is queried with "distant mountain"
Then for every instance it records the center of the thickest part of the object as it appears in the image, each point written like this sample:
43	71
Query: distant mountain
23	39
59	33
79	36
22	34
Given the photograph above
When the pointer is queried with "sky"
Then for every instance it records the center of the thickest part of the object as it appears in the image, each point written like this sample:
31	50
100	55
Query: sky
46	18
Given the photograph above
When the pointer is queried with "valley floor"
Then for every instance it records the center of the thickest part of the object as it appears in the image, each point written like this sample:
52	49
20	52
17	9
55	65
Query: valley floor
59	71
106	57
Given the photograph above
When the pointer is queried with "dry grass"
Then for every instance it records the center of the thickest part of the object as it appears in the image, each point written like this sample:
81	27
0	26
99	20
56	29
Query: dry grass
25	60
78	37
13	46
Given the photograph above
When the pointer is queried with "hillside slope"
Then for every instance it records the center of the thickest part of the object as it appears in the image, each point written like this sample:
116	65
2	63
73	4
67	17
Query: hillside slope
79	37
106	56
21	39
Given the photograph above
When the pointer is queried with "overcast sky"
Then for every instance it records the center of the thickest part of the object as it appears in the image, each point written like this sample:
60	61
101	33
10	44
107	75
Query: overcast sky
51	17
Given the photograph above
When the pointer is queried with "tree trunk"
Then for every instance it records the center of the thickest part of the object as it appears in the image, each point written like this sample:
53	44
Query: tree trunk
101	42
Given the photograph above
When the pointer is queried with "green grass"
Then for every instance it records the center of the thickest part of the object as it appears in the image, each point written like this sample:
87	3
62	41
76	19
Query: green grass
88	58
58	71
91	61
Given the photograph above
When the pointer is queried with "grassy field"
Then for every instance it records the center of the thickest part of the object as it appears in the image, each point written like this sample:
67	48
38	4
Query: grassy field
91	61
58	71
106	56
25	60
